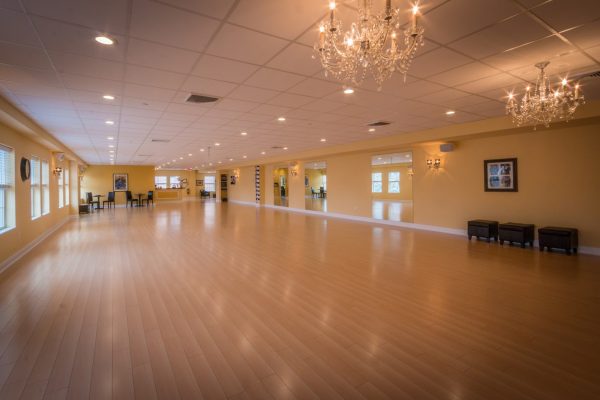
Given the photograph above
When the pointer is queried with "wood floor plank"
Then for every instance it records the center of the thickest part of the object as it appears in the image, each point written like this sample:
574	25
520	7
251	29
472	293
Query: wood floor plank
201	300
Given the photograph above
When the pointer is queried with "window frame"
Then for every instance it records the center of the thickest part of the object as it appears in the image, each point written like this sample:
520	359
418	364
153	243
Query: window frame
374	182
67	186
213	183
160	185
45	187
35	188
390	182
7	189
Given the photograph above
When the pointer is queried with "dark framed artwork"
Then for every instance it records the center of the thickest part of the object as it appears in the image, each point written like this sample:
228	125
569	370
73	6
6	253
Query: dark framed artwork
501	175
199	182
120	182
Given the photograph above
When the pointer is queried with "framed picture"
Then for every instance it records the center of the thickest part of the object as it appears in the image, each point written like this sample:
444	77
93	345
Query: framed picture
233	179
199	182
120	182
500	175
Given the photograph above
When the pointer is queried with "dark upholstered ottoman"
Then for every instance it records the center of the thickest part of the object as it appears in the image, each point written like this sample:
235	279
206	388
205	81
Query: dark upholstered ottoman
554	237
512	232
483	228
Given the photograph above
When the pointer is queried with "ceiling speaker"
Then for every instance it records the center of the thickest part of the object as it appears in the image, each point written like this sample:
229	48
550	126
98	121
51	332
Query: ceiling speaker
446	147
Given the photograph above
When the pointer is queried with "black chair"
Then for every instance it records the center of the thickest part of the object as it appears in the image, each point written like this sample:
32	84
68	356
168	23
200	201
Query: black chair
91	201
313	193
322	192
130	199
149	199
110	200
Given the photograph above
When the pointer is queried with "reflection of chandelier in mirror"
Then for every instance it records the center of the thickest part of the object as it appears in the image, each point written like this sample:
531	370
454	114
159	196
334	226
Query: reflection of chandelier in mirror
542	104
373	44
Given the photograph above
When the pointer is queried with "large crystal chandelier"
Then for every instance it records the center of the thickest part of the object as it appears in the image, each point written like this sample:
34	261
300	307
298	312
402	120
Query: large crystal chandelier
543	104
374	44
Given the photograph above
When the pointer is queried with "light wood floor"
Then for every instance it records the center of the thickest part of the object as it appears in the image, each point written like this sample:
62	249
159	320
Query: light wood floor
194	300
393	210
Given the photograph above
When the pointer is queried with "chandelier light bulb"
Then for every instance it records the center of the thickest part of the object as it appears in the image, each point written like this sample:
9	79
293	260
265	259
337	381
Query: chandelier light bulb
564	82
332	5
415	9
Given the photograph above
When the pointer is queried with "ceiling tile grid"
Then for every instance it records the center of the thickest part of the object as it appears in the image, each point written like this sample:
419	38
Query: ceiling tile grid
256	56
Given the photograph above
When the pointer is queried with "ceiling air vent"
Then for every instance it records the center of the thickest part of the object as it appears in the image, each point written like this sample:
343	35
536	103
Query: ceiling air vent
277	147
578	77
160	140
379	123
199	98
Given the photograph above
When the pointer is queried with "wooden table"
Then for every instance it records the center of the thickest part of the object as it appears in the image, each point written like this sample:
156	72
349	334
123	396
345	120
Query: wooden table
97	196
139	195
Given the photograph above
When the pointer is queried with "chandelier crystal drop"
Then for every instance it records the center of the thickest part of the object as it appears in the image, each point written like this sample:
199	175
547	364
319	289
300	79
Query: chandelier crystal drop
375	44
543	104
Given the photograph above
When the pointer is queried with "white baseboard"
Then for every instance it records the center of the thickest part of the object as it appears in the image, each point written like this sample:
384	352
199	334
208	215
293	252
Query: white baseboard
595	251
245	203
31	245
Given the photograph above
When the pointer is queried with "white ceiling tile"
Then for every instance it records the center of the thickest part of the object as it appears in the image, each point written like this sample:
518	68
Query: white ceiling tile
192	109
291	100
585	36
24	56
148	92
79	82
235	105
501	80
465	73
144	104
208	87
11	4
162	79
529	54
28	76
223	69
171	26
298	59
506	35
274	111
272	79
437	61
74	39
213	8
87	66
160	57
245	45
111	16
563	14
457	18
252	94
314	87
16	28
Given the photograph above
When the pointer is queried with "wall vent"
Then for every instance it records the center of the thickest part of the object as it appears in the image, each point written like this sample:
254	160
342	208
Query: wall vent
199	98
160	140
379	123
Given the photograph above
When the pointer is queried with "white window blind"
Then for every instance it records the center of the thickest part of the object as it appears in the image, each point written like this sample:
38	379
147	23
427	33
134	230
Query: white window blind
376	183
66	181
160	182
209	183
36	189
45	188
394	182
61	191
7	188
174	181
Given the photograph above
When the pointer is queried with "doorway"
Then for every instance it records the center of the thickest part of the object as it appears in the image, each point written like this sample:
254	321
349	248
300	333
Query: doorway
391	186
315	185
281	188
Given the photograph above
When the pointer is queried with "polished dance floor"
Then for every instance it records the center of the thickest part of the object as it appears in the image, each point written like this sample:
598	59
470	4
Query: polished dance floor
208	301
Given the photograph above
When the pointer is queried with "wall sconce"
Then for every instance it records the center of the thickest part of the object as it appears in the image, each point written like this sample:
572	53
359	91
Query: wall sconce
434	163
411	172
57	171
294	169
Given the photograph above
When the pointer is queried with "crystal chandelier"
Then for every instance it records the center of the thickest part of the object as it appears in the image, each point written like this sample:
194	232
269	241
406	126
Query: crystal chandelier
543	104
374	44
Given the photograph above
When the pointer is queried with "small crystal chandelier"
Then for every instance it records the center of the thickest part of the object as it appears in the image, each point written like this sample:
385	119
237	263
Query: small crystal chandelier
544	104
373	44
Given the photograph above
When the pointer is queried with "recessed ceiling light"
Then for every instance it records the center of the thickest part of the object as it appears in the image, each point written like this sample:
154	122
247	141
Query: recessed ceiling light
190	154
110	138
244	157
219	162
323	140
109	122
217	144
181	158
210	164
281	119
231	159
407	155
111	151
371	129
263	152
169	163
348	91
201	149
202	165
108	97
110	146
244	133
379	158
105	40
285	148
450	112
174	160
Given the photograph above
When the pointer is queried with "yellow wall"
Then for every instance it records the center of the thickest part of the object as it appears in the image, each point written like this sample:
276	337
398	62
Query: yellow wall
98	179
191	189
557	173
349	184
405	182
27	230
245	187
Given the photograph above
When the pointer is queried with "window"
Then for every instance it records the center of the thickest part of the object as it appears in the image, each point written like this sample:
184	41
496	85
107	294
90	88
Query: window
160	182
61	191
394	182
66	180
174	182
376	185
36	189
45	188
209	183
7	188
325	182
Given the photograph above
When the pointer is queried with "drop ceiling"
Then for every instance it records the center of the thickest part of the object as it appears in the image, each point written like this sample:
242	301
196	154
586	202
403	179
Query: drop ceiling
256	55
